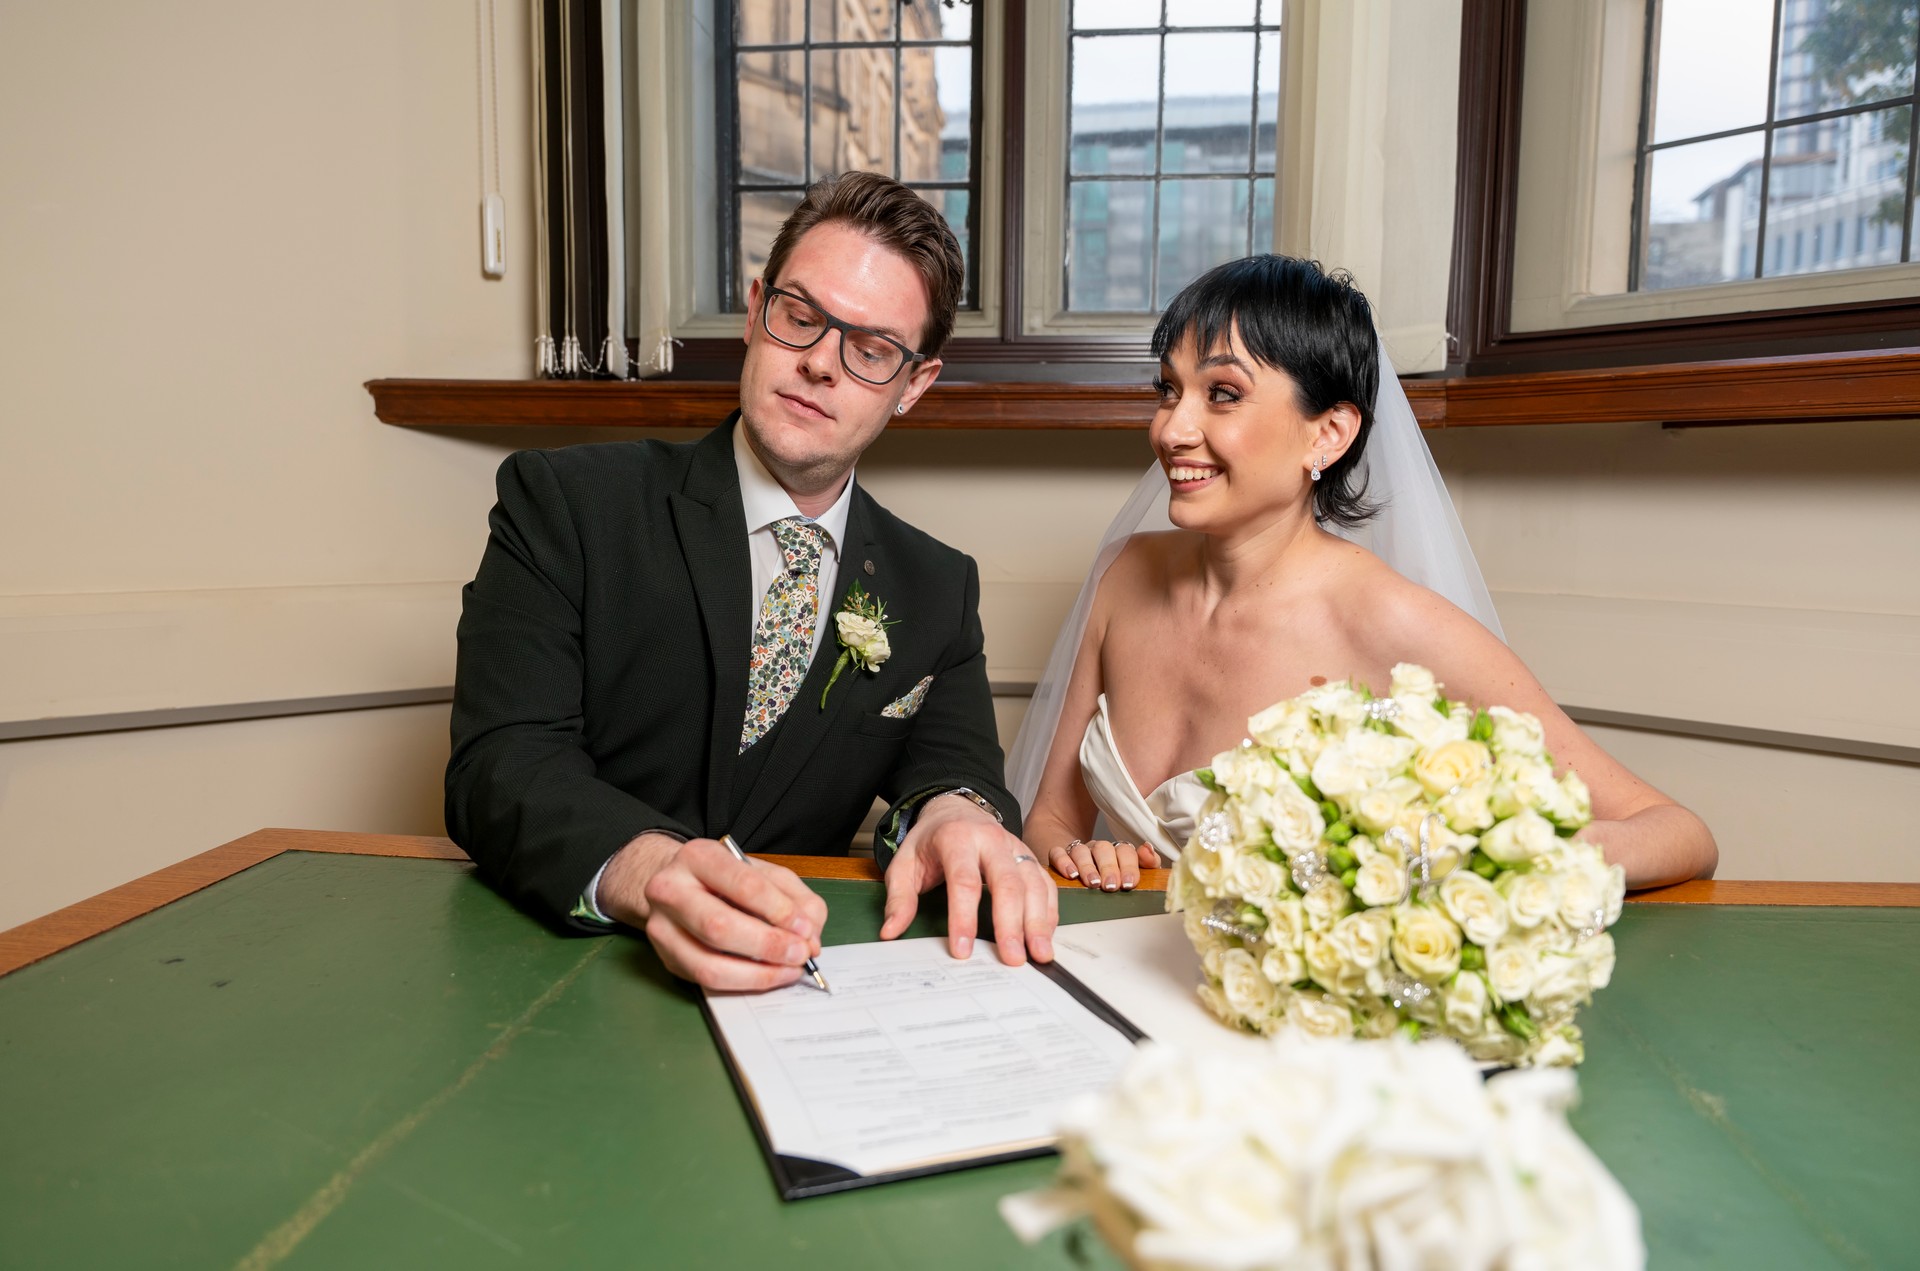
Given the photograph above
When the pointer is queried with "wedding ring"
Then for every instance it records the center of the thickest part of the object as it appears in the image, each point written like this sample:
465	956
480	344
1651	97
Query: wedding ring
1024	857
1076	843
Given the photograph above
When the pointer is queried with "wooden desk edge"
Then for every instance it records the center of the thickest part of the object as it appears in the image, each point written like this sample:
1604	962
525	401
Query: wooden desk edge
62	929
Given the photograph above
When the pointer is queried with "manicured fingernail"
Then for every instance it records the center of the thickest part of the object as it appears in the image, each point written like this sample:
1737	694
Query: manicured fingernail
1113	886
1127	886
1073	873
1093	880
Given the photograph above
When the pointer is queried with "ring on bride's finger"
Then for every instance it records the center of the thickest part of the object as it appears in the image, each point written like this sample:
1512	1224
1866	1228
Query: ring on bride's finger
1076	843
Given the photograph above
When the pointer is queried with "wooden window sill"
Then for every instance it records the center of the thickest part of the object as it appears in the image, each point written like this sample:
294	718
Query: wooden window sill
1805	389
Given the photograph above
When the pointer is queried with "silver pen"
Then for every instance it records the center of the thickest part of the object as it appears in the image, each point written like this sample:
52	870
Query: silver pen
812	970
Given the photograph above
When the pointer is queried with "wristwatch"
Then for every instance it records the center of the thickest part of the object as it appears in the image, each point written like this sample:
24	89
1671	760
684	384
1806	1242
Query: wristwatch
977	799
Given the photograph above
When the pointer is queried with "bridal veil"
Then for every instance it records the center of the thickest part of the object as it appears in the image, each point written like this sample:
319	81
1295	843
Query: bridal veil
1416	531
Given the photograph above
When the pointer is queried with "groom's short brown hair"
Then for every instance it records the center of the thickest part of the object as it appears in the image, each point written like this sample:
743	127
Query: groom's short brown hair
895	217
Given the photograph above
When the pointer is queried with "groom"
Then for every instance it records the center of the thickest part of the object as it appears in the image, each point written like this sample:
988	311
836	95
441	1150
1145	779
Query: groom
653	652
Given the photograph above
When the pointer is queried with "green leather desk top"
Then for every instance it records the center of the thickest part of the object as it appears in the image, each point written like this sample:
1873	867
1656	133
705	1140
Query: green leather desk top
341	1061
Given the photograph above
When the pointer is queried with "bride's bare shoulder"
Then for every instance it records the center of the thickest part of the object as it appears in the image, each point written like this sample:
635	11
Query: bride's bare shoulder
1397	612
1145	564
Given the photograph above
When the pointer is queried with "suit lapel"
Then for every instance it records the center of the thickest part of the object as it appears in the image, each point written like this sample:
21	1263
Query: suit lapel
711	522
806	724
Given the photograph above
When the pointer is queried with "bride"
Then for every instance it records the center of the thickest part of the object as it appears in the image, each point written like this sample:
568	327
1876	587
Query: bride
1274	469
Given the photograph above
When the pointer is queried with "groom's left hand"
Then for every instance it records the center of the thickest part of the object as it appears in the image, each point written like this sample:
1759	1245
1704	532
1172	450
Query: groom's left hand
954	842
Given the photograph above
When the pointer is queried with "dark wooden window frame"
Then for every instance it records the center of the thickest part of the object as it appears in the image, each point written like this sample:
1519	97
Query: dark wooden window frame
1011	353
1483	341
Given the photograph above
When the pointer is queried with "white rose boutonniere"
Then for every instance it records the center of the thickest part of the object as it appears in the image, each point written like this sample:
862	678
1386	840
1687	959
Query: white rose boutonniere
861	627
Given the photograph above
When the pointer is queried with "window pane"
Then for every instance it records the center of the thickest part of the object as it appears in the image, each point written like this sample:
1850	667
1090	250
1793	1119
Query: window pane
1090	15
1209	113
956	23
852	20
1269	100
1201	224
1211	13
1702	209
1841	52
768	21
853	111
935	86
1263	215
1827	176
760	217
1109	237
953	206
1711	68
771	94
1115	80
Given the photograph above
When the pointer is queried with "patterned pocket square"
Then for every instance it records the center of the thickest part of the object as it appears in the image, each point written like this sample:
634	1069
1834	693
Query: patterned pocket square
908	706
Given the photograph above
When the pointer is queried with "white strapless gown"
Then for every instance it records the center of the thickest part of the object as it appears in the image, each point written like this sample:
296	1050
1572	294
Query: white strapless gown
1165	818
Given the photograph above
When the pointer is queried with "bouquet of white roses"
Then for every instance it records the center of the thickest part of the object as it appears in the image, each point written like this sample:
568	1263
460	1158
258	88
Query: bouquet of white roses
1319	1155
1371	865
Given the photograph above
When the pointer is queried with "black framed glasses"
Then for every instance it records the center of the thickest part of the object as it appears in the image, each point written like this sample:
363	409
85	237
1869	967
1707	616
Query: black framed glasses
867	355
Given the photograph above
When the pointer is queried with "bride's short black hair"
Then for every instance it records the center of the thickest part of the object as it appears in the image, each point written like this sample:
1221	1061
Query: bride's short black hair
1311	323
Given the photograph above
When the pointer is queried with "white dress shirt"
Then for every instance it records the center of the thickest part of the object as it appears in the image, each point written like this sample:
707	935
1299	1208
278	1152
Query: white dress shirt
767	501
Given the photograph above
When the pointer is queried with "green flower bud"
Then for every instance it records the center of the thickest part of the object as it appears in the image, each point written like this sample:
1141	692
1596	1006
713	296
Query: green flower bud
1338	833
1515	1019
1341	859
1207	778
1472	957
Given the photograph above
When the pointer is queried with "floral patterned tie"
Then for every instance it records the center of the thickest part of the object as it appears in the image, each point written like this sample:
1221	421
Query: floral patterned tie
783	637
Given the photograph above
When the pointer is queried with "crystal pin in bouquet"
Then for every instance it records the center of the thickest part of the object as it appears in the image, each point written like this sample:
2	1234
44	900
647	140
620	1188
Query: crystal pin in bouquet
1368	866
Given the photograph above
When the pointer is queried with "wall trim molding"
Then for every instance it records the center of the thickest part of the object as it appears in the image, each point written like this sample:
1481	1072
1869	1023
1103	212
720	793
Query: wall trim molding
225	713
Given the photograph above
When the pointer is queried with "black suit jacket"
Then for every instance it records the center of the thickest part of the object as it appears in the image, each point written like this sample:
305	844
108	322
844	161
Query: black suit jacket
602	675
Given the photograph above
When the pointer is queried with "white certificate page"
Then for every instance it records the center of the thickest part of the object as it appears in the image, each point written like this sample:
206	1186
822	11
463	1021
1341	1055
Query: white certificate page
914	1057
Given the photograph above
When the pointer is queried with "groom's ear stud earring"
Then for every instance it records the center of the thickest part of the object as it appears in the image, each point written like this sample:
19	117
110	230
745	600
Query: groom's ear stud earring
899	410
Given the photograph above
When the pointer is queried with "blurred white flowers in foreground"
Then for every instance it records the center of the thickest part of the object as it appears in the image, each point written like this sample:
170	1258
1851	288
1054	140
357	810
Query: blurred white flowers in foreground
1335	1156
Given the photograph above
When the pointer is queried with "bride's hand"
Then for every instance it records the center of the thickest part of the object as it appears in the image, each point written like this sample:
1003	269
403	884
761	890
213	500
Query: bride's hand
1102	865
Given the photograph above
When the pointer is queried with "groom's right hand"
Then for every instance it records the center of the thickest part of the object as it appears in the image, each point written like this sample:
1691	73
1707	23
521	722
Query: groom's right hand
717	921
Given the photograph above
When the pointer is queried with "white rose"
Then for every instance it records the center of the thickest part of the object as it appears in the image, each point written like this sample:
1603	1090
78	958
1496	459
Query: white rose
1247	768
867	638
1381	882
1419	719
1469	809
1382	751
1553	799
1325	904
1248	992
1531	898
1583	897
1255	878
1517	733
1516	779
1475	905
1314	1015
1295	820
1426	944
1452	764
1519	838
1282	727
1560	982
1338	706
1379	807
1559	1049
1363	938
1412	680
1283	965
1201	864
1598	954
1578	795
1328	965
1339	772
1464	1004
1616	892
1286	921
1510	970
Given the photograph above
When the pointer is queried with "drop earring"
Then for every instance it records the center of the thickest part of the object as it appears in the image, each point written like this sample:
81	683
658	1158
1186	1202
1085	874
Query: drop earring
1315	474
